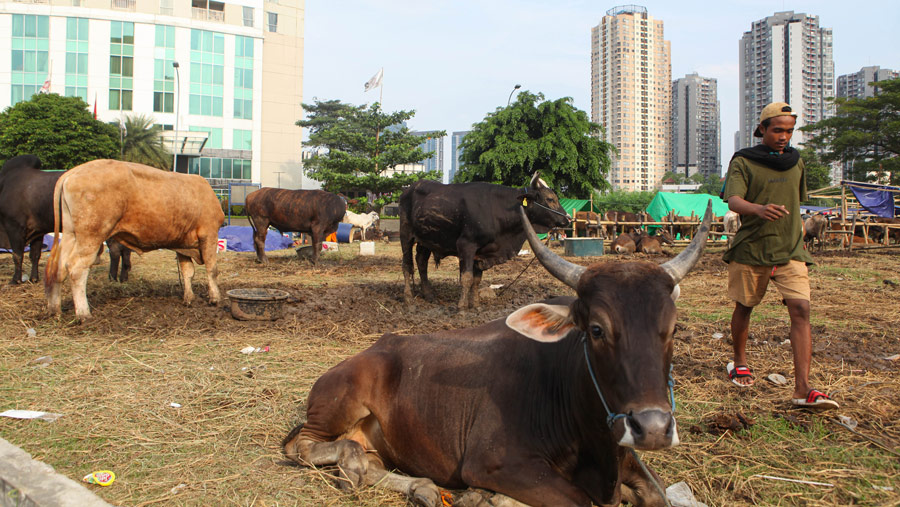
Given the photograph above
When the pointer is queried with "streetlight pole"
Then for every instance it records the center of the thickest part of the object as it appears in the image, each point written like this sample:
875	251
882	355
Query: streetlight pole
177	111
511	94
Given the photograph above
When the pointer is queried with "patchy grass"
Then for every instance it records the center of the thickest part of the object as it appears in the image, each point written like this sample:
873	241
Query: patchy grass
115	376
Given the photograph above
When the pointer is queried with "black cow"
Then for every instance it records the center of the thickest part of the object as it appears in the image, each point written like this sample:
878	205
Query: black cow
26	212
477	222
118	251
314	211
541	406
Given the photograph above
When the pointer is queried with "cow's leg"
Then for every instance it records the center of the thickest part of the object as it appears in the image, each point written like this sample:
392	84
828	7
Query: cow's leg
476	282
17	245
406	247
34	255
126	264
531	481
186	267
115	254
422	256
466	278
80	262
260	229
640	490
55	277
318	235
208	247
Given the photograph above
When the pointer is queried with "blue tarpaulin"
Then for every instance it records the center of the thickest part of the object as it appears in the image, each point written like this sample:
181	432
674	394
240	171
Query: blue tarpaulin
875	200
48	242
240	239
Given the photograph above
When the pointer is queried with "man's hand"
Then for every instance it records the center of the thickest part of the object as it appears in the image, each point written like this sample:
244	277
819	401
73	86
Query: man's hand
771	212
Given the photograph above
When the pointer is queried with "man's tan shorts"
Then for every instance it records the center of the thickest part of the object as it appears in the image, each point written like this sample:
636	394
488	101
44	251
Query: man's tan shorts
747	284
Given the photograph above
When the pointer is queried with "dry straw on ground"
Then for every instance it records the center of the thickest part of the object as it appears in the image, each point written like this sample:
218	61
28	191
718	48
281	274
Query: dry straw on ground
115	377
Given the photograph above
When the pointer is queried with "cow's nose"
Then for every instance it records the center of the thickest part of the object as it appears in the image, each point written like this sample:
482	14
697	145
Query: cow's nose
651	429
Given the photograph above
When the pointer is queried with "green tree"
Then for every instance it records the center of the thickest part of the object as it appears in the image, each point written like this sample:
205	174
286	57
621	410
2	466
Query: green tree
865	132
142	143
552	137
675	178
363	146
623	200
711	184
59	130
818	173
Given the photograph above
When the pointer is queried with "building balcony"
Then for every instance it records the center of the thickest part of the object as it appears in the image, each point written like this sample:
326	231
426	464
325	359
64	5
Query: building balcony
207	15
33	1
126	5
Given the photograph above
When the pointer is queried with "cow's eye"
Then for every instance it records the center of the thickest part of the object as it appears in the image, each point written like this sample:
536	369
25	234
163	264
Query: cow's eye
596	332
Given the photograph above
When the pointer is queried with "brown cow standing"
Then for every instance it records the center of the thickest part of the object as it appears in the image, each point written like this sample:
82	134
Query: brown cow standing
814	229
139	206
540	406
316	212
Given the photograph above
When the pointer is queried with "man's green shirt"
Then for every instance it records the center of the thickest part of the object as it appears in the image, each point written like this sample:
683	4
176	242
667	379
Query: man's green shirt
761	242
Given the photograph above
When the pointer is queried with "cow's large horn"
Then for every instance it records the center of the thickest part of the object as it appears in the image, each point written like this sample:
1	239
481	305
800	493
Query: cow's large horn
682	264
565	271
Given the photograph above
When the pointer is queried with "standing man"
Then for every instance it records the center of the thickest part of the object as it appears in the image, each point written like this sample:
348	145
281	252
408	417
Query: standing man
765	185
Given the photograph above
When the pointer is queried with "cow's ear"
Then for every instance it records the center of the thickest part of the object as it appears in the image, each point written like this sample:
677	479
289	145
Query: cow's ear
542	322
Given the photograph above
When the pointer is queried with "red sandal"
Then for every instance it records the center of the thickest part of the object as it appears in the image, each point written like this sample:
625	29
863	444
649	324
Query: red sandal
815	399
739	372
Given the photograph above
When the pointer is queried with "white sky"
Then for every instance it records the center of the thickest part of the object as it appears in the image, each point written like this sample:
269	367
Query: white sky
453	62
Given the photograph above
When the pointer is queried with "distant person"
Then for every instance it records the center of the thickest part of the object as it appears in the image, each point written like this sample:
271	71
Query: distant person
765	185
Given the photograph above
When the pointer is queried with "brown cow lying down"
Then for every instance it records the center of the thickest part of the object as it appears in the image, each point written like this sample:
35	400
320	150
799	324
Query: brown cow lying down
517	406
142	208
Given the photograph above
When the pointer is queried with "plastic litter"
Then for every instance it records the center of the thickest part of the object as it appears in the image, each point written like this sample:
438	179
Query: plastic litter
175	405
176	489
31	414
680	495
31	332
718	336
251	349
43	361
777	379
849	422
496	286
101	478
893	358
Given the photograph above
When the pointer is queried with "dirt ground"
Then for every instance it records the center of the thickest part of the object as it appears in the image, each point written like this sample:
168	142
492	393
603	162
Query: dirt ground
115	377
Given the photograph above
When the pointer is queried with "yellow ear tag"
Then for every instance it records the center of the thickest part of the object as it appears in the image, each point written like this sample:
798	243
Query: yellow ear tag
524	202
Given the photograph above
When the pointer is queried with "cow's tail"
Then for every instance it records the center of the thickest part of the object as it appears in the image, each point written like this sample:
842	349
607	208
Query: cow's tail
252	224
51	272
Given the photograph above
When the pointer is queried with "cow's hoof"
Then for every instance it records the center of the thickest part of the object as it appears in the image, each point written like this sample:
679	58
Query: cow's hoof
423	492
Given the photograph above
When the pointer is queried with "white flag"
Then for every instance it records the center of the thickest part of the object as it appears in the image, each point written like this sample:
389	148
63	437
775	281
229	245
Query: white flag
375	81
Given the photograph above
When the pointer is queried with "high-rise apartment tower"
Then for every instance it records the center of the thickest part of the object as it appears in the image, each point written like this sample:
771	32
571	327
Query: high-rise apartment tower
859	84
696	128
785	58
631	88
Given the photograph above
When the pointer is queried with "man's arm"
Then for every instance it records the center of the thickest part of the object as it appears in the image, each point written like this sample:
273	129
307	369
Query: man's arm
770	212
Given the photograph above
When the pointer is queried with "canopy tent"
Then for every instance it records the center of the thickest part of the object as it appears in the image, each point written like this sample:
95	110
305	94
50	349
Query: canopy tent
684	204
876	199
577	204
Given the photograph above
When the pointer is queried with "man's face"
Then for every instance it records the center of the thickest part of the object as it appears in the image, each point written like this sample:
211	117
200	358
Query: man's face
779	133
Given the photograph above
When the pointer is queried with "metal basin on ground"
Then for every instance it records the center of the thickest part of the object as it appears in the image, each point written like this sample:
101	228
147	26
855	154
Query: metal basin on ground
257	304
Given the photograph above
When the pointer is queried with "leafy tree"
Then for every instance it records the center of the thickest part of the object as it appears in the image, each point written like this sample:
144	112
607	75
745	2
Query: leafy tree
142	143
865	132
818	173
59	130
624	200
364	146
674	177
552	137
711	184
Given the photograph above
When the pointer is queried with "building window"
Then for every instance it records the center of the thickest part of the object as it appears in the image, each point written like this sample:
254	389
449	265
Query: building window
30	54
248	16
272	21
243	77
121	65
224	168
163	71
76	57
214	136
166	8
207	73
242	140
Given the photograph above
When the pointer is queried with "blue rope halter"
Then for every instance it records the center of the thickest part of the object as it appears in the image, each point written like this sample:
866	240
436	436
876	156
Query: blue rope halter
611	417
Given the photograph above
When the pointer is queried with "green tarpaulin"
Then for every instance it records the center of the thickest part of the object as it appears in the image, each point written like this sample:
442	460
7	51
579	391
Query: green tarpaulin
578	204
684	204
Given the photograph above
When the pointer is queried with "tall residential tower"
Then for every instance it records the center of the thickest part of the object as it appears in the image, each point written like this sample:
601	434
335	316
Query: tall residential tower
696	128
859	84
785	58
631	87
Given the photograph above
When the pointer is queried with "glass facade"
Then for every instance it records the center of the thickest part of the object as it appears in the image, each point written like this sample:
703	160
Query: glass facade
207	73
214	141
121	65
77	57
243	77
214	167
30	55
242	140
163	71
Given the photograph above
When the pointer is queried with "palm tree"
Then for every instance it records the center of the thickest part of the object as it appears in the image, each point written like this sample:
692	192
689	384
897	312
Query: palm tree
142	144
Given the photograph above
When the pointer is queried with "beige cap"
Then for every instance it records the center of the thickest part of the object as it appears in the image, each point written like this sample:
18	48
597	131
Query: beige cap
772	110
